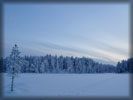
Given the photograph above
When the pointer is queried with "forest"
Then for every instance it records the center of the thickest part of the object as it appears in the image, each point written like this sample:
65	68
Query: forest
60	64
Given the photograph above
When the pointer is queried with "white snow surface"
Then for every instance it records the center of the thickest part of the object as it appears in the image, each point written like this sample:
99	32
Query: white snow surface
71	85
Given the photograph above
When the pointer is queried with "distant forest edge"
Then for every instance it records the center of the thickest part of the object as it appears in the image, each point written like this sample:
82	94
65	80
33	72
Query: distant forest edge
61	64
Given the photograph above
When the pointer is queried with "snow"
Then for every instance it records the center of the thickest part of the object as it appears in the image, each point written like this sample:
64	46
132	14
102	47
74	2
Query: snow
45	85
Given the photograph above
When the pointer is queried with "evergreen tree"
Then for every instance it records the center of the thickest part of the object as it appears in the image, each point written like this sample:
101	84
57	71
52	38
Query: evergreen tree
14	64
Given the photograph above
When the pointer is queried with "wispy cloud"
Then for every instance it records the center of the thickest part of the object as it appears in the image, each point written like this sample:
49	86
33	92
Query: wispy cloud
76	51
114	49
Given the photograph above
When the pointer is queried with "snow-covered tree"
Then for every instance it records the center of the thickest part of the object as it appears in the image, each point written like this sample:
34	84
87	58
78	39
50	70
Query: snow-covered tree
32	68
69	65
57	66
79	66
14	64
60	62
42	67
53	62
24	66
46	65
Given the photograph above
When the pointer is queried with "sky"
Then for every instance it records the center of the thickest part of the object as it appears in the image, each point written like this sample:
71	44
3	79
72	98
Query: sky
97	31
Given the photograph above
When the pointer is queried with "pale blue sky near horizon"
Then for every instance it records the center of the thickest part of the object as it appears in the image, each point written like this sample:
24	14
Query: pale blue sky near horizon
98	31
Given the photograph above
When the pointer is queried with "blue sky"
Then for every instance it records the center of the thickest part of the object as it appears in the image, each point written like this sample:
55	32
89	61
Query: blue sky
98	31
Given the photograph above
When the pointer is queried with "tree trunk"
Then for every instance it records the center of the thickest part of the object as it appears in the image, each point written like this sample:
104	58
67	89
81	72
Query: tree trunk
12	83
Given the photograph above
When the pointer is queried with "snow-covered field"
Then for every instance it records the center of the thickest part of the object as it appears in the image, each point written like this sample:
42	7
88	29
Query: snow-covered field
44	85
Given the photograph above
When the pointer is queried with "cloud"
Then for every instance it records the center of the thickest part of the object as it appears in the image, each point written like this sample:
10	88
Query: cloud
118	50
76	51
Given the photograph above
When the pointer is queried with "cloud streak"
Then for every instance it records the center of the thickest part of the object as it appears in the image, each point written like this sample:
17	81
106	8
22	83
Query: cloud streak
76	51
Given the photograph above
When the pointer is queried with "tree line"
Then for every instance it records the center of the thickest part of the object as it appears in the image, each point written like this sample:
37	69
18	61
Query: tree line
61	64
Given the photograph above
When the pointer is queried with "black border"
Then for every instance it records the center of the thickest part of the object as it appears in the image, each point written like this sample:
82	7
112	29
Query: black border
2	2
